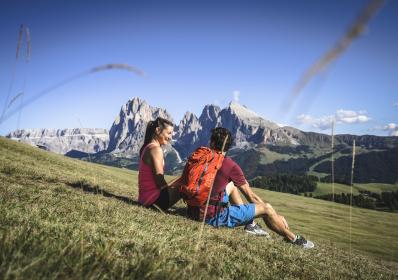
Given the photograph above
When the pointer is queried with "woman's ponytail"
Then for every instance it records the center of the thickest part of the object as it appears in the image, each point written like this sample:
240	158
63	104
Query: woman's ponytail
150	131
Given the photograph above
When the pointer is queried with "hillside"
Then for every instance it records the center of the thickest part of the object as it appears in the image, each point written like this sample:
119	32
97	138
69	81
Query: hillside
260	145
65	218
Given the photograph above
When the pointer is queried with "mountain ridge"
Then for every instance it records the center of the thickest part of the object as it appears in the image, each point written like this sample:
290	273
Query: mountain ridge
268	147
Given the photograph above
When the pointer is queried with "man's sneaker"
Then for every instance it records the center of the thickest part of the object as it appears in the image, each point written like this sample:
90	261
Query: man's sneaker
255	229
301	241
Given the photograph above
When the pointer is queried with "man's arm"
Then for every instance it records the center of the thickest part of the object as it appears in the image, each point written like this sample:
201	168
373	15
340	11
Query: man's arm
253	198
249	194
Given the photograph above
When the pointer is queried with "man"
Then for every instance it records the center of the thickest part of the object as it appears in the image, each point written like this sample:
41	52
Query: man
227	184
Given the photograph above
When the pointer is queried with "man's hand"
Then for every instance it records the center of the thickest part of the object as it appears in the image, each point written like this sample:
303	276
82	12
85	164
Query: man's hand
284	221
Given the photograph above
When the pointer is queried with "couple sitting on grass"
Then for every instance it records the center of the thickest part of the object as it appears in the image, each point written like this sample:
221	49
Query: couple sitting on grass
223	205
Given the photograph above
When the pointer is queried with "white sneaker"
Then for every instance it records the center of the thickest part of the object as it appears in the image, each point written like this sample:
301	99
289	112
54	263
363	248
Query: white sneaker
301	241
255	229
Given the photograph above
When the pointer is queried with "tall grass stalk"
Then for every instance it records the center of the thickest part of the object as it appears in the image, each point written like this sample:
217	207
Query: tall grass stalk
351	185
27	59
19	42
353	32
207	203
28	44
50	89
332	179
332	159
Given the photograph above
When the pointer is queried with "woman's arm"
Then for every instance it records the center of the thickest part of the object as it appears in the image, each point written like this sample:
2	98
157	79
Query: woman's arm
156	162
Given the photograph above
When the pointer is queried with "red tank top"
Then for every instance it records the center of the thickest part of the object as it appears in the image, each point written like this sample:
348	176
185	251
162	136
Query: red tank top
148	191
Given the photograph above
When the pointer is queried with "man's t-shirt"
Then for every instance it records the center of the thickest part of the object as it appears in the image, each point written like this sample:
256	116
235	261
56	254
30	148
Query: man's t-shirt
229	172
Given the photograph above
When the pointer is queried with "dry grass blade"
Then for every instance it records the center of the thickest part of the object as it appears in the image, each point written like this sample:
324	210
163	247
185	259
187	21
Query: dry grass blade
48	90
207	202
352	33
332	159
14	98
121	66
21	29
28	44
19	42
352	182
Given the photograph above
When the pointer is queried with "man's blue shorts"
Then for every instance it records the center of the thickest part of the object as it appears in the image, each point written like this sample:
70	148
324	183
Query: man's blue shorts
234	215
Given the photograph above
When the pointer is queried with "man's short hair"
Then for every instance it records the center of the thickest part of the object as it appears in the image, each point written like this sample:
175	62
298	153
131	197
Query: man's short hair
217	138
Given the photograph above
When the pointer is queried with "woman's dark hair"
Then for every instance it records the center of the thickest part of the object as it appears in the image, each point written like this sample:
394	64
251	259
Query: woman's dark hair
151	128
217	138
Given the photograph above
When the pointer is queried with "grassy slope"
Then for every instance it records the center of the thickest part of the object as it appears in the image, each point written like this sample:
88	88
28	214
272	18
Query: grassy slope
325	188
66	218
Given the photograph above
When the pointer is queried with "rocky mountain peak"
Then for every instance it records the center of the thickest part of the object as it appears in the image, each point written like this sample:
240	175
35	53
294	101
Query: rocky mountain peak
128	130
189	123
241	110
209	113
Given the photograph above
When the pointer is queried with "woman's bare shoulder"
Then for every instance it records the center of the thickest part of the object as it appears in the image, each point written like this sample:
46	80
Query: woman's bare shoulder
153	151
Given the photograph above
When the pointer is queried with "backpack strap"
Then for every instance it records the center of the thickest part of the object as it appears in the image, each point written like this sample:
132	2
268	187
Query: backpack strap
204	171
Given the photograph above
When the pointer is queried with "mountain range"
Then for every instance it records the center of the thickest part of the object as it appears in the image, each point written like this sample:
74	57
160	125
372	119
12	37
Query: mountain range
260	146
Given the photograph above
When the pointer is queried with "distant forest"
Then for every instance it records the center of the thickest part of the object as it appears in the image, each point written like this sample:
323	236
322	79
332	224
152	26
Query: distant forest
380	167
287	183
387	201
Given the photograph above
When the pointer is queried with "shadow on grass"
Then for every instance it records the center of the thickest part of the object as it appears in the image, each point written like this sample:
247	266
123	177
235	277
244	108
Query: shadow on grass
87	187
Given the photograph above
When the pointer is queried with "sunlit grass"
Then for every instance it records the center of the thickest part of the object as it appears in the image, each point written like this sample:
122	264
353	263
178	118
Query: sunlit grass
64	218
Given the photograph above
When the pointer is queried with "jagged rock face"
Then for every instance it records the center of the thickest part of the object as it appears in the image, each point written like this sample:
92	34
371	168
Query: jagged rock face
186	134
208	119
246	126
127	133
61	141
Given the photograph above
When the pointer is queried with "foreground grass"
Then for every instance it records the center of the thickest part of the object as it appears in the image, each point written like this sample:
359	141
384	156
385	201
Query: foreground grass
63	218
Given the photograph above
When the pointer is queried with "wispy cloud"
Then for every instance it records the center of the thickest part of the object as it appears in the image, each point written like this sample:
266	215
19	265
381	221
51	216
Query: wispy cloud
395	104
340	117
322	123
392	129
236	95
347	116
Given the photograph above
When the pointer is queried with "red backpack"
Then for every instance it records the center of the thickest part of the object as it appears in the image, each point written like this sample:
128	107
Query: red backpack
199	174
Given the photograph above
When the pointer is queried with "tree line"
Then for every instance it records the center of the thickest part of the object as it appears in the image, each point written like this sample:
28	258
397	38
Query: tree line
387	201
286	183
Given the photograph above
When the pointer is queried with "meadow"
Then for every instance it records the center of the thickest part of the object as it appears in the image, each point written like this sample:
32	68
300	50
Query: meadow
65	218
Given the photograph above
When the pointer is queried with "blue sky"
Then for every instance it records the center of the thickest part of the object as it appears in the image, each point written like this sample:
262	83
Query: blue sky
200	52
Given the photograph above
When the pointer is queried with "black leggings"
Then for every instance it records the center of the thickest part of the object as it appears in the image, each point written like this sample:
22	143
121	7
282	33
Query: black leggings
163	201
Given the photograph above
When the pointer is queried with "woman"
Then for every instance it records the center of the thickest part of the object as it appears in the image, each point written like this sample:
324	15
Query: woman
153	190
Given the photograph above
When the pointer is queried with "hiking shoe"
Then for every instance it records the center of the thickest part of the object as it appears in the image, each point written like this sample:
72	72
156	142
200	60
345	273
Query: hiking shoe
301	241
255	229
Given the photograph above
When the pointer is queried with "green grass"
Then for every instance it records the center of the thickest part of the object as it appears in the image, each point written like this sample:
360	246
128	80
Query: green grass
65	218
326	188
377	187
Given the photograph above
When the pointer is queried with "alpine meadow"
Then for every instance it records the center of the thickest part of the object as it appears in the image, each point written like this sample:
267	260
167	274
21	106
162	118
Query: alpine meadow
66	218
199	139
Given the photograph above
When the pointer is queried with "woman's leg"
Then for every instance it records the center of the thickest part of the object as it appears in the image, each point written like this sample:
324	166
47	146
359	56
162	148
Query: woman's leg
174	195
